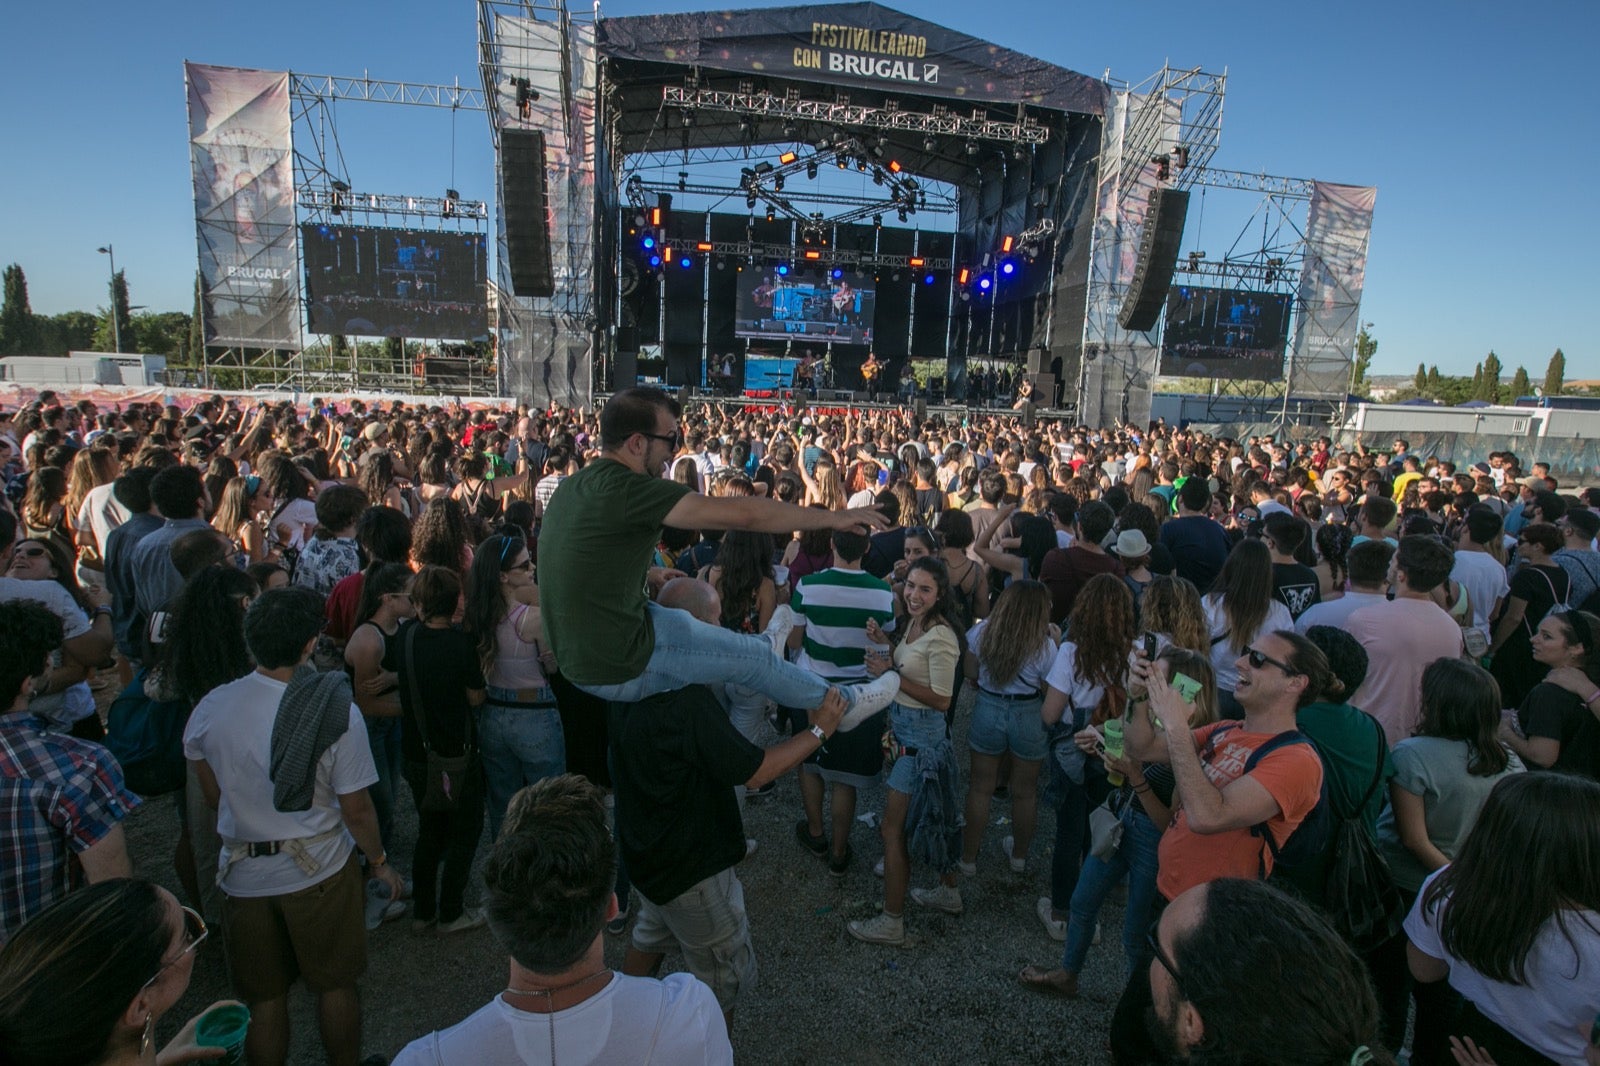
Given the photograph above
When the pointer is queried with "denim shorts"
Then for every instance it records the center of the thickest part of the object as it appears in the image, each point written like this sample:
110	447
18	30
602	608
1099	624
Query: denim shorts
1000	725
916	728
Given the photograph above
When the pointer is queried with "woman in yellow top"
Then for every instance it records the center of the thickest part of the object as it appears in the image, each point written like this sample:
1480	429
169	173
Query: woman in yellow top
926	658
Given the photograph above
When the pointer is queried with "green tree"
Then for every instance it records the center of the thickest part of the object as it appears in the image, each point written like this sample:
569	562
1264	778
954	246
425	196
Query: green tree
1477	383
19	330
1520	386
1489	388
1435	382
196	348
1366	348
160	333
70	331
394	354
1420	383
339	352
105	338
1555	374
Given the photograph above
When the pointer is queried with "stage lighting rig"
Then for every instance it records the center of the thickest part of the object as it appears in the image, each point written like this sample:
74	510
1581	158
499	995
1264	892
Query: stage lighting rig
337	199
811	169
1163	166
788	157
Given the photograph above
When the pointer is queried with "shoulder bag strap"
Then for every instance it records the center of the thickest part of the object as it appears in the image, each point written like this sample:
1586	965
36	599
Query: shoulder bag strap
409	662
1377	775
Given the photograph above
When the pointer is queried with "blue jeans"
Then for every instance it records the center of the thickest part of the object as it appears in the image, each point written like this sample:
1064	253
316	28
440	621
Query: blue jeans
518	746
689	652
1136	857
383	737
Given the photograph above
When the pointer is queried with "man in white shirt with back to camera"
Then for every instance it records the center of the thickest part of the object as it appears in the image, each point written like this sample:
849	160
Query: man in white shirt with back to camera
548	883
1368	567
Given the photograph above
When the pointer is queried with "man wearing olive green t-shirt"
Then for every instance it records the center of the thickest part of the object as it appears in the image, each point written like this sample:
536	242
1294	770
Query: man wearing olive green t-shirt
595	548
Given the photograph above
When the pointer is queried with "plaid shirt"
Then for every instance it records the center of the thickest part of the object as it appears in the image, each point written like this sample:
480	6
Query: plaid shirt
58	796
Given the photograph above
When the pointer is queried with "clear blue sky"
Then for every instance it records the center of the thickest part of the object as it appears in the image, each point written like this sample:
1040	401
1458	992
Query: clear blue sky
1475	120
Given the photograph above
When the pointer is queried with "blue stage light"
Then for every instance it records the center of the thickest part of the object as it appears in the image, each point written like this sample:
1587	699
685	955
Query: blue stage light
783	271
1008	268
985	283
687	262
837	273
655	260
929	280
649	243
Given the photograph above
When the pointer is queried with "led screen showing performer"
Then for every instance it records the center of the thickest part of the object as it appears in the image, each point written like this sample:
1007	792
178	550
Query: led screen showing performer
1225	333
782	306
374	282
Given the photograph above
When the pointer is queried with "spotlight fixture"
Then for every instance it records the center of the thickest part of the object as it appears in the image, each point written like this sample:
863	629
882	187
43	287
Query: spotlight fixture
783	270
703	246
683	181
837	273
648	243
811	169
686	262
841	162
972	147
777	182
688	119
526	95
930	144
750	201
771	214
861	164
894	166
902	214
877	221
985	283
1008	268
789	131
929	279
787	157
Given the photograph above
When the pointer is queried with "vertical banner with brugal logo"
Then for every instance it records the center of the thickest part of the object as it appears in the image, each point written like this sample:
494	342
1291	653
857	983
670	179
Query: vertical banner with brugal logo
239	149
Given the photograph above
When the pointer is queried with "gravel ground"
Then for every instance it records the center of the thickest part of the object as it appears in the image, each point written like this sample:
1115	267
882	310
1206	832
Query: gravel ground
948	996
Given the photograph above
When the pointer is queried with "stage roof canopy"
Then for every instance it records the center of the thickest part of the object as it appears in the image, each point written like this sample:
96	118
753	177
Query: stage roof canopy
862	45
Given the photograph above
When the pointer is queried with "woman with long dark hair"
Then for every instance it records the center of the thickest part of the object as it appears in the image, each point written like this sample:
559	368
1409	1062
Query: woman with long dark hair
1239	607
1008	656
1036	536
203	646
1554	728
241	516
372	659
441	537
1333	549
519	726
1087	684
440	684
1513	922
927	656
294	515
44	511
1443	775
89	979
1538	586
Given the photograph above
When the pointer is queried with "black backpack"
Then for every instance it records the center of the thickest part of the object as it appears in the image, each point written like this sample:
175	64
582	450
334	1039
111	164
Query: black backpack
1359	893
1297	862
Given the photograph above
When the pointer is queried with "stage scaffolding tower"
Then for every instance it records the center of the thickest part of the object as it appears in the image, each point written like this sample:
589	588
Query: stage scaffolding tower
323	195
1171	121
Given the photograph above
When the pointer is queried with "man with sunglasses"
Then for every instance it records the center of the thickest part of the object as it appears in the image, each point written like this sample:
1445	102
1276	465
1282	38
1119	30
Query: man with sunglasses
594	563
1231	780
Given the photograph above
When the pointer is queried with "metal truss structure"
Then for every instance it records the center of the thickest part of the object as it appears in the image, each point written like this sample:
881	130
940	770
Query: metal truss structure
1174	125
939	205
831	256
977	126
323	195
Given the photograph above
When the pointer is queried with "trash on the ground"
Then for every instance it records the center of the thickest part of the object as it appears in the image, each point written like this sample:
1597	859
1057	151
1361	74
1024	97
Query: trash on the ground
869	819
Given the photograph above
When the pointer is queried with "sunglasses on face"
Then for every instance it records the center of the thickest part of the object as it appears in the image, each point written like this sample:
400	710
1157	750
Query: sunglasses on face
32	553
1258	659
674	440
194	934
1153	940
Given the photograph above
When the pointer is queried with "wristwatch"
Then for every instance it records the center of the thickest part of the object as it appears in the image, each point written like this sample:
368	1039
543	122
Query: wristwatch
816	731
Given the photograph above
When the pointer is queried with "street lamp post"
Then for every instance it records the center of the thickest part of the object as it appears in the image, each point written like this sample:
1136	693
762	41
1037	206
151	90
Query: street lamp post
116	325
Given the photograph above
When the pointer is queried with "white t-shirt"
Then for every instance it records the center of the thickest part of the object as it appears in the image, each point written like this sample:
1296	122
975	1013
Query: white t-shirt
1485	581
1335	612
1560	995
101	512
1063	677
74	702
231	729
1226	652
671	1022
1029	679
292	525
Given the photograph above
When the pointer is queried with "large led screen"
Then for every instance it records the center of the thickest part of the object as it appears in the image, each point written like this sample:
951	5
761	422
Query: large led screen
782	306
1224	333
373	282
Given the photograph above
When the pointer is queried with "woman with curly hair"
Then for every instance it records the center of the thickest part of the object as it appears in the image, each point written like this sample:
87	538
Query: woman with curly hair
375	476
204	647
1171	608
1008	656
1087	684
441	537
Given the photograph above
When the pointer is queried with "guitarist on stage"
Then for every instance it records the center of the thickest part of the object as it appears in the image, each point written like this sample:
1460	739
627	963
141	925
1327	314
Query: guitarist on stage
871	370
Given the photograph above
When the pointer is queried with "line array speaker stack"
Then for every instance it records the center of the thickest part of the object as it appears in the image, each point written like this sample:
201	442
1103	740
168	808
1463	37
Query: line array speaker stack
527	225
1158	258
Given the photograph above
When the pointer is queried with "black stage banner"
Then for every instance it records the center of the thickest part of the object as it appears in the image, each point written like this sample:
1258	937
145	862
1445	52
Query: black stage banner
852	44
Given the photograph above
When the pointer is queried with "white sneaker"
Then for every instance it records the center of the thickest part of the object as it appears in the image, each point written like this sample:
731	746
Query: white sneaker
940	897
877	868
1057	930
1008	845
750	846
471	918
778	627
868	699
968	868
883	929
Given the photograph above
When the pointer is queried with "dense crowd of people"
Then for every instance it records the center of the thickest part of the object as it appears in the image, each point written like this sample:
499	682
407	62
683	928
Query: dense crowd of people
1331	715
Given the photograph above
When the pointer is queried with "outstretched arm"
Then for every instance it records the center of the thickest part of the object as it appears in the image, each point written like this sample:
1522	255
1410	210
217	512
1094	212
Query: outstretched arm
758	514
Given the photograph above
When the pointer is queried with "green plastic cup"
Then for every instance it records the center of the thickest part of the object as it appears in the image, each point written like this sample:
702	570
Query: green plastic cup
224	1027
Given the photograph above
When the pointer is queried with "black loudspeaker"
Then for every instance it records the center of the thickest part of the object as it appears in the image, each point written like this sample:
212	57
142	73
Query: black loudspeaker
626	374
1158	258
527	226
1038	360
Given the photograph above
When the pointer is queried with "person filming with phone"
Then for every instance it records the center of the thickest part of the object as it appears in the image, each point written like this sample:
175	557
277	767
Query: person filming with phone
1227	778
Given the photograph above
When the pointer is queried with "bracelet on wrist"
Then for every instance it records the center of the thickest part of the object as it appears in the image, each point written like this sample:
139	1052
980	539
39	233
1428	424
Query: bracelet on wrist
1142	789
1595	695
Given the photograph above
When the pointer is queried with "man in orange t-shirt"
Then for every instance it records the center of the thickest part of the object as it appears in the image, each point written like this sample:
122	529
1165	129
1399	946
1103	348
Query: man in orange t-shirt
1215	801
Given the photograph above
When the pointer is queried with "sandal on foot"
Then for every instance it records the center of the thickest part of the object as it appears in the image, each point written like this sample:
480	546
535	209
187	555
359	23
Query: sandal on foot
1040	980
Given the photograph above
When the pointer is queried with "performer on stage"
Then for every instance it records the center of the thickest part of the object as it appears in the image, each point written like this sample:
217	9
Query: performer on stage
1024	394
871	371
908	382
805	374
